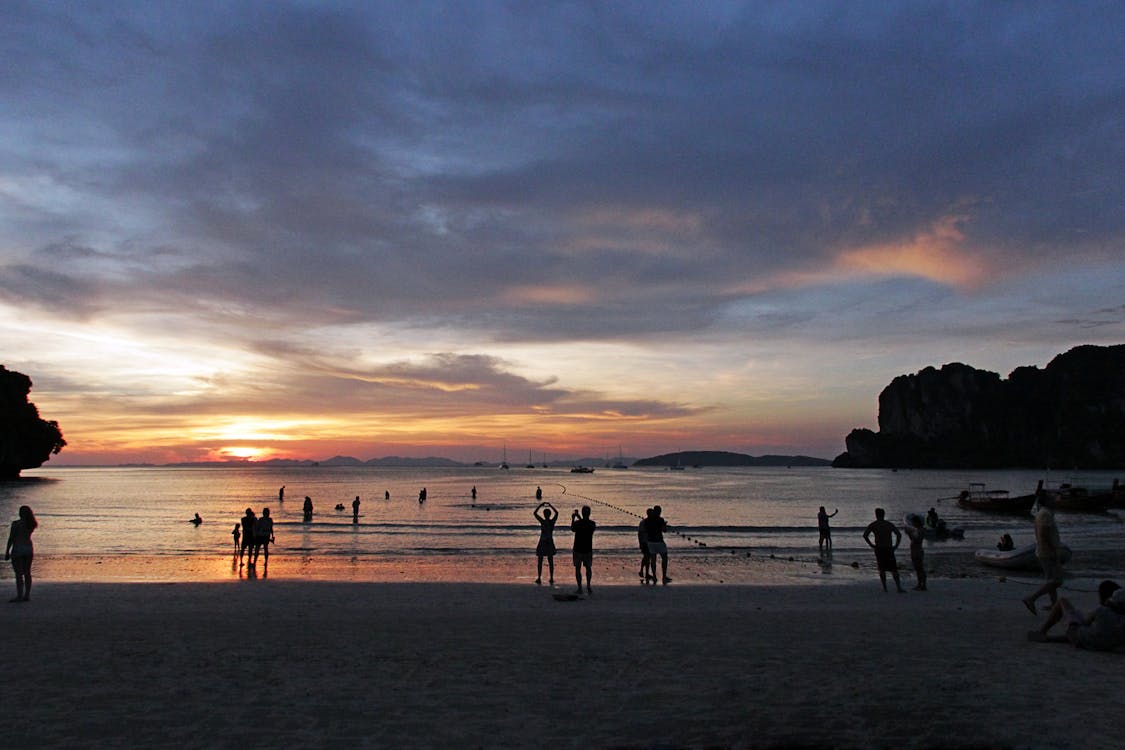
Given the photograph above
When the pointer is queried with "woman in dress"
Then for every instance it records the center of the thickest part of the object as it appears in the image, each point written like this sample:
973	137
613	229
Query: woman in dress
20	551
546	546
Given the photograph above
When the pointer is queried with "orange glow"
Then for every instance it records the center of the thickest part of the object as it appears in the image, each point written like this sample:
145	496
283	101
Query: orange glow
934	254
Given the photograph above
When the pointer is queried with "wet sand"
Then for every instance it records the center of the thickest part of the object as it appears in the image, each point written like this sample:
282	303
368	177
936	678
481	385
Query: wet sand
282	663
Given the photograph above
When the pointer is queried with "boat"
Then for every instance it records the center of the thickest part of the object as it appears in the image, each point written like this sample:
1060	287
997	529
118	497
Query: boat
994	501
1067	497
504	463
939	533
620	463
1018	558
581	470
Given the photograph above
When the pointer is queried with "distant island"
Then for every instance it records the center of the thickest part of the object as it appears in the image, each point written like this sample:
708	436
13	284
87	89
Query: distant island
725	458
1071	414
26	439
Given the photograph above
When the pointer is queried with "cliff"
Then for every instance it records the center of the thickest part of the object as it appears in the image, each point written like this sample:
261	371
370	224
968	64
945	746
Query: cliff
1069	414
26	440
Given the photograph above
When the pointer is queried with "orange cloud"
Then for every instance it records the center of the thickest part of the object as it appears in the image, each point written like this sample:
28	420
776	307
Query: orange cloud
935	253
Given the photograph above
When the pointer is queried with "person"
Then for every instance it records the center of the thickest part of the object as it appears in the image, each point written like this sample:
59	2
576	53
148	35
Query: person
386	494
237	534
21	551
1005	544
884	537
355	510
248	532
474	492
932	519
1101	630
583	529
648	570
1048	550
308	508
546	546
822	517
197	520
917	553
281	494
538	493
263	535
422	496
655	526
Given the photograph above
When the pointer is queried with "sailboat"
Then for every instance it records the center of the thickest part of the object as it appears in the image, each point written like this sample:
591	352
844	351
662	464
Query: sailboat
504	463
620	460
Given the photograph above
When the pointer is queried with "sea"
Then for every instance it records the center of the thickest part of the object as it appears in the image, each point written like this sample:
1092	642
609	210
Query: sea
133	523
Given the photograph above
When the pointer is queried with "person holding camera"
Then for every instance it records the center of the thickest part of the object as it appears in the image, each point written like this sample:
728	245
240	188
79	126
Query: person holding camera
583	529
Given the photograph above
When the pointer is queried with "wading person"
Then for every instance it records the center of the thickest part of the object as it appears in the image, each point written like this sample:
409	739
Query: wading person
822	517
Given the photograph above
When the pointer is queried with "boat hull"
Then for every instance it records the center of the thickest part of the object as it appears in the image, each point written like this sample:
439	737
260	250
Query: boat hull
1020	558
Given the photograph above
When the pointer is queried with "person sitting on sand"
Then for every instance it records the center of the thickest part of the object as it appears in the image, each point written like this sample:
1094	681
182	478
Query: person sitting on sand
583	529
546	546
886	540
21	552
822	517
1102	630
917	553
1005	544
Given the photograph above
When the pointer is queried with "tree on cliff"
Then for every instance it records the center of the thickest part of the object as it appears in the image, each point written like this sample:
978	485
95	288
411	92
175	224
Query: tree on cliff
26	441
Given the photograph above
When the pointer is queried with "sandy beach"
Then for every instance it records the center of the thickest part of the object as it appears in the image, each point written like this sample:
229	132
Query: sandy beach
283	663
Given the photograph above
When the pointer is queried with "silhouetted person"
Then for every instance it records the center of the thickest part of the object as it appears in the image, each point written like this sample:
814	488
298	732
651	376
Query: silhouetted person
1048	550
655	526
248	531
917	553
263	535
21	552
1005	544
355	510
538	493
237	534
308	508
886	540
822	517
546	546
648	570
932	520
583	529
386	494
474	492
281	494
422	496
197	520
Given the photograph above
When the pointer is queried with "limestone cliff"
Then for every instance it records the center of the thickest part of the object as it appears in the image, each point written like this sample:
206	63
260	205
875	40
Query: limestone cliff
1069	414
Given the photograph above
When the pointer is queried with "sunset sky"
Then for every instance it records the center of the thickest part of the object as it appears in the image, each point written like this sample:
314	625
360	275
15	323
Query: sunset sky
302	229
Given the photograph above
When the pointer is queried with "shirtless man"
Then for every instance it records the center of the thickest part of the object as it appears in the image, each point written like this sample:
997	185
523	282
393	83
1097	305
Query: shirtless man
886	540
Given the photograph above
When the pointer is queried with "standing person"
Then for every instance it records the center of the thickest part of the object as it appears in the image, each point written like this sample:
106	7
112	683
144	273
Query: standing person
421	495
281	494
655	526
474	492
546	546
247	533
1048	550
917	554
583	529
648	570
886	540
822	517
263	535
538	493
21	551
237	534
308	509
355	510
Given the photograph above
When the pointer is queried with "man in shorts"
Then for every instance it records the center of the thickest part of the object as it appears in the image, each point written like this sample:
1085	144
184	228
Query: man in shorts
583	529
884	537
1048	550
655	526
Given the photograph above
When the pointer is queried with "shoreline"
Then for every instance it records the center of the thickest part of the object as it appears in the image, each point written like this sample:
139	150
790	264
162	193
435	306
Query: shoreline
327	664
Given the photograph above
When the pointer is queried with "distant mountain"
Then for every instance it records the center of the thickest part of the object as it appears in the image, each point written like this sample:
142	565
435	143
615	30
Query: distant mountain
429	461
726	458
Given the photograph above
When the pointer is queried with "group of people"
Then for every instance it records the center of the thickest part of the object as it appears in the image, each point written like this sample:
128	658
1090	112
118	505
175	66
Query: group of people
884	537
650	535
253	536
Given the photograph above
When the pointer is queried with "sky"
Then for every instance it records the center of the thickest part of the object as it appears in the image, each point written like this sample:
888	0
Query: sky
305	229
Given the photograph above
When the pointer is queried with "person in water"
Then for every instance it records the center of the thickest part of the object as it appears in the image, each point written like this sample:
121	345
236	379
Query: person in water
546	546
247	533
308	508
197	520
822	516
237	534
263	535
355	510
21	552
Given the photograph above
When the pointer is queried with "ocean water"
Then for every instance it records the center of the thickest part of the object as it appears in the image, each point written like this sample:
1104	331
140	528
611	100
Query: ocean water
113	514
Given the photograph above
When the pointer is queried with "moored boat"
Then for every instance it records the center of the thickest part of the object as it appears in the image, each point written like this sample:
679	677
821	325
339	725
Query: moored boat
994	501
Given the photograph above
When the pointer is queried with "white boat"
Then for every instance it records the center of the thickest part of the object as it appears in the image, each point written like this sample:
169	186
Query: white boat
1018	558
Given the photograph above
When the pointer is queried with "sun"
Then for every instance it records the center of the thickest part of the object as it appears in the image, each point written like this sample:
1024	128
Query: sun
244	452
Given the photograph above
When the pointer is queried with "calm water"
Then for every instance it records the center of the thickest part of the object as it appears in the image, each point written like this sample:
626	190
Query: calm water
145	511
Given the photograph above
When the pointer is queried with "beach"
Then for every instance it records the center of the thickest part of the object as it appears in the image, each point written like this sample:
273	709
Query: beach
282	662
